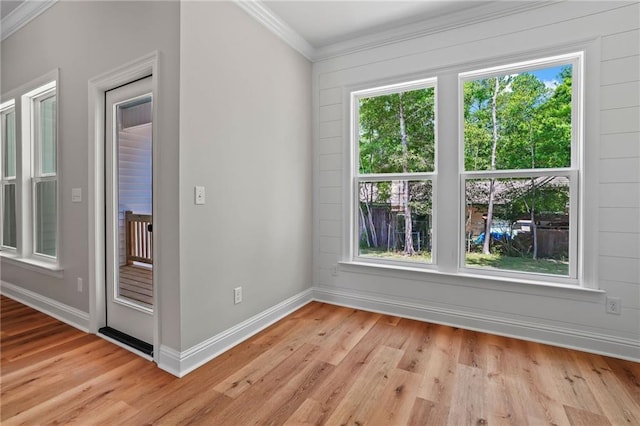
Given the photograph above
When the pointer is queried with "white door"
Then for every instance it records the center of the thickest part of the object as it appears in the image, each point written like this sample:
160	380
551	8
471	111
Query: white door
129	216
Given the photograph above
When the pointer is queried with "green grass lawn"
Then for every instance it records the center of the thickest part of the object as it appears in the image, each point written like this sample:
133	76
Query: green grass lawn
491	261
424	257
516	263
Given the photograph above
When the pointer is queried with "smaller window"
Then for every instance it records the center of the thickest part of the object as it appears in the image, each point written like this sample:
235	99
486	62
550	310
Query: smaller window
8	237
394	142
41	145
44	176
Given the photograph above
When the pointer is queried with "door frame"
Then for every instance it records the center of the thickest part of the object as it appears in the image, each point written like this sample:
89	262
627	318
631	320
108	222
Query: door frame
98	86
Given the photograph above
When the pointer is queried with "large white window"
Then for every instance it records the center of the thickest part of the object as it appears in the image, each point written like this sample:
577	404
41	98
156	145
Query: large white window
520	167
395	142
508	186
8	234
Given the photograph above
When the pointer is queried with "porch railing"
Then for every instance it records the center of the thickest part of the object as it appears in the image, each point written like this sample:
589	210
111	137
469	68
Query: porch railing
139	237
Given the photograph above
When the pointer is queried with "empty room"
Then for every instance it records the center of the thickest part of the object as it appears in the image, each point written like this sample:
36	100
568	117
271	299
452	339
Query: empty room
320	212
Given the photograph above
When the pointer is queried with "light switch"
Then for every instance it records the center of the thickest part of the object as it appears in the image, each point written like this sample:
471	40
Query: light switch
199	194
76	195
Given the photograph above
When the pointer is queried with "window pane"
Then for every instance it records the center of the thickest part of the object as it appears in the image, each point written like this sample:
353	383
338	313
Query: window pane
518	121
528	219
9	215
9	145
45	217
397	132
395	220
48	135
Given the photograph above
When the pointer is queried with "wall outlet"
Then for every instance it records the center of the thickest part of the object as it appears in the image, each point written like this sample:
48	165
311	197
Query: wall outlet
334	271
613	305
80	285
237	295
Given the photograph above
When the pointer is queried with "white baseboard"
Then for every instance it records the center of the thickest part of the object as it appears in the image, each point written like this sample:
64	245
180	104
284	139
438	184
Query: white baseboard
181	363
65	313
596	343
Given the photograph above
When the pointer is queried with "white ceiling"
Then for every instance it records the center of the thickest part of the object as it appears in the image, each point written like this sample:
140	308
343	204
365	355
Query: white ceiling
322	23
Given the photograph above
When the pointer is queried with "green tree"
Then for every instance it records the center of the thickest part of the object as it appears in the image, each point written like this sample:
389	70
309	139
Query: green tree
397	135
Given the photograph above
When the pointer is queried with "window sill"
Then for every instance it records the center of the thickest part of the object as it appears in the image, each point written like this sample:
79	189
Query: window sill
43	267
466	278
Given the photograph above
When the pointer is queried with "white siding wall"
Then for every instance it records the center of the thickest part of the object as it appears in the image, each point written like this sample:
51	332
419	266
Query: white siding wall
562	316
134	180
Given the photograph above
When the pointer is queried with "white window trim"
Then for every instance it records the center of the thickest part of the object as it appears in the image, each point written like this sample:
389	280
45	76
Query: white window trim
573	172
356	177
5	109
448	265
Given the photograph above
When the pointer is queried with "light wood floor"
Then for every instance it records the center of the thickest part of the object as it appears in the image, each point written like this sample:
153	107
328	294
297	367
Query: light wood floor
136	282
320	365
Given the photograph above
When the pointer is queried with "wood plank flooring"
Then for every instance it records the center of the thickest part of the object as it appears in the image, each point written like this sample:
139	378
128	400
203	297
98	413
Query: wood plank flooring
320	365
136	283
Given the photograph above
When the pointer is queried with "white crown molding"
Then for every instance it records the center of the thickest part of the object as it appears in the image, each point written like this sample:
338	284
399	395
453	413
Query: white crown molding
260	13
21	15
476	14
484	12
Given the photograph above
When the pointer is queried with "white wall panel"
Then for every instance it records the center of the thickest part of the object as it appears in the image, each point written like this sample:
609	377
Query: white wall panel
621	44
620	145
620	120
620	244
619	219
622	70
331	162
330	146
620	95
620	269
620	170
620	195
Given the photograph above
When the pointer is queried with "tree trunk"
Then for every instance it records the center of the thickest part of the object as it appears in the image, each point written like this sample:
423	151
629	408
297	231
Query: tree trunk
408	228
534	228
372	227
364	226
494	146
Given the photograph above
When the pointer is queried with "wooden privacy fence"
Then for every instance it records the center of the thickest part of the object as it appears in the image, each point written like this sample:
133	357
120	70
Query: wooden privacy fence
139	238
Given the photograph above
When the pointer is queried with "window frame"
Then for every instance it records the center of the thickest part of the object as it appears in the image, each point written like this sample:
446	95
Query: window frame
7	108
32	102
356	178
573	172
448	253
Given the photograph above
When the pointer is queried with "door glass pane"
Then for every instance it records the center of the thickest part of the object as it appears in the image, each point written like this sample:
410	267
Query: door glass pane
48	135
135	220
9	146
45	217
9	215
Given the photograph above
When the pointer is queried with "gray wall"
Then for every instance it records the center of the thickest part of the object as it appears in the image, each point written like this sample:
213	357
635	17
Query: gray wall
83	40
245	131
